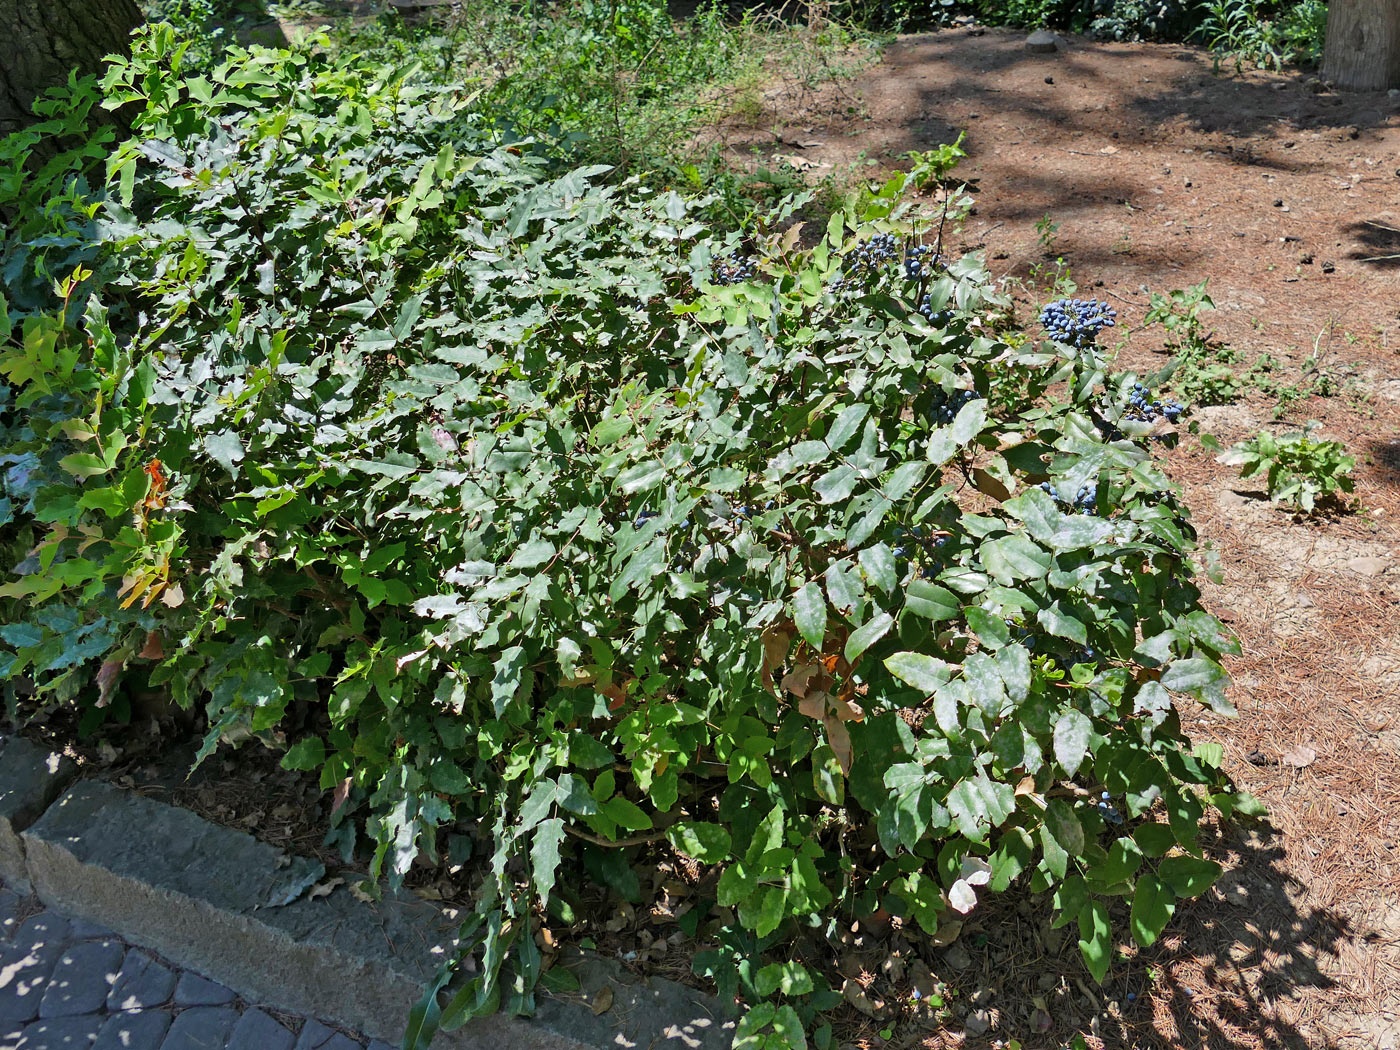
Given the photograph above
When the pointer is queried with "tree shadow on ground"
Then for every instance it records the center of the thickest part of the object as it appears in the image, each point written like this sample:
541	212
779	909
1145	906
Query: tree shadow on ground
1377	244
1240	106
1233	971
1386	455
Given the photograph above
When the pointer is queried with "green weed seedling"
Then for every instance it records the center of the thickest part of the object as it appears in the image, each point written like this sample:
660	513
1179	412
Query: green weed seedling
1199	371
932	166
1299	470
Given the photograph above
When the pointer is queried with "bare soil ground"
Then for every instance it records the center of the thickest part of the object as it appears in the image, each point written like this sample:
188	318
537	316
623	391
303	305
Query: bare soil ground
1160	174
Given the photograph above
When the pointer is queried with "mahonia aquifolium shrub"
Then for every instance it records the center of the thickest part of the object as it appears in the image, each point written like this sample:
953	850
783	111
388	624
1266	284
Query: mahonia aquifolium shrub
357	420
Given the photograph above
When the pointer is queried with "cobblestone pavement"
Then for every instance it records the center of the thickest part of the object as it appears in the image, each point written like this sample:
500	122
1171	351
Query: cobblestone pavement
69	985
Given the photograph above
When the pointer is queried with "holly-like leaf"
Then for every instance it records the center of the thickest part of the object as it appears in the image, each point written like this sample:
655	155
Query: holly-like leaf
809	614
1188	876
1153	905
707	843
923	672
1073	731
1095	939
867	634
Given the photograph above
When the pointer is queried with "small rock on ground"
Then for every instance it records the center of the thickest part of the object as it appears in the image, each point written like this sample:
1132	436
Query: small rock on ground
1042	42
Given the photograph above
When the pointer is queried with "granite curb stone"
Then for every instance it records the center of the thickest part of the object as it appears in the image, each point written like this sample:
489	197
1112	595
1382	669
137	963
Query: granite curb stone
31	778
221	902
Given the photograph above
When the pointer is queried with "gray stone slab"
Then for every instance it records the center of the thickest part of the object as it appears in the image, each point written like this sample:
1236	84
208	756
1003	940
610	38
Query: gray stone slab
220	902
255	1030
1042	42
134	1030
194	990
82	930
25	968
203	1028
316	1036
80	982
43	929
61	1033
142	983
31	778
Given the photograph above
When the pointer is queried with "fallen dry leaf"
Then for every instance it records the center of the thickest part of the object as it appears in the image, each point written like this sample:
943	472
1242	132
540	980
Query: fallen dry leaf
1299	757
358	891
602	1002
855	995
947	933
323	889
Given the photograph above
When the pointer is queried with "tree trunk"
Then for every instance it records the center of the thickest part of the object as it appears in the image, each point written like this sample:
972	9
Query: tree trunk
1362	52
42	40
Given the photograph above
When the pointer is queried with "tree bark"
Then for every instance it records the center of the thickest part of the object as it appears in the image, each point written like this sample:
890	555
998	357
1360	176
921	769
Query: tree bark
1362	51
41	41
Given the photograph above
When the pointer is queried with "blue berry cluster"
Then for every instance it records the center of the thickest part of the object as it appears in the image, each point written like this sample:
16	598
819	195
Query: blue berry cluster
946	406
1107	810
1077	322
1143	406
941	318
920	261
1086	500
734	270
744	512
916	538
869	259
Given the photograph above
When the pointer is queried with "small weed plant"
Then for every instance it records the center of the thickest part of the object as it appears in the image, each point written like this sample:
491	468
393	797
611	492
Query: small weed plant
1299	470
526	507
931	167
1199	371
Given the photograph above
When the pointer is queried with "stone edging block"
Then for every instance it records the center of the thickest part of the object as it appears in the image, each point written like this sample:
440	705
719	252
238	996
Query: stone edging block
31	778
220	902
